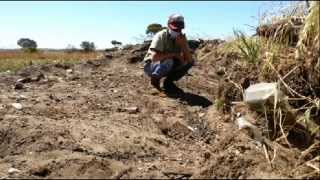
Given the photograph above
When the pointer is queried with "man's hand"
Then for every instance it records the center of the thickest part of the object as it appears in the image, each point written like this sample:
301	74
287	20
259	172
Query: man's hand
183	44
180	57
158	56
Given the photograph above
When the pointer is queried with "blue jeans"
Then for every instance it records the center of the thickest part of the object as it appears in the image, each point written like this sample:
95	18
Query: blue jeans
172	69
158	69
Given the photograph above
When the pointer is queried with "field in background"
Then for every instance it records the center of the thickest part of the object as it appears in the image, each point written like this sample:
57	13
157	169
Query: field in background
15	60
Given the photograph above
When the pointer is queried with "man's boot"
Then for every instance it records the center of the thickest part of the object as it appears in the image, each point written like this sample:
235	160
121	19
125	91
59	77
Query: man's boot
155	82
170	87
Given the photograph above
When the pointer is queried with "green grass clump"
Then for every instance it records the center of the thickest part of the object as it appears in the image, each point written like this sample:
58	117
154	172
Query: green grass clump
249	47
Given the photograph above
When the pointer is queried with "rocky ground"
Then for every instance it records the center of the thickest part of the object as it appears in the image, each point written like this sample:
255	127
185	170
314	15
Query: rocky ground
99	119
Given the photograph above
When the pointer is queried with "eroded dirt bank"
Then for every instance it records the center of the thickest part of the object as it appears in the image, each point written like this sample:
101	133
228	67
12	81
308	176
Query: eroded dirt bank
100	120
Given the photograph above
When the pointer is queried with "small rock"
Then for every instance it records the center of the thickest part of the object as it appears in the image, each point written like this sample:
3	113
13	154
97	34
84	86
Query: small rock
24	80
38	77
244	124
21	97
207	155
60	79
69	71
201	115
18	85
109	56
17	106
63	66
41	171
220	71
13	170
181	128
55	98
189	127
132	110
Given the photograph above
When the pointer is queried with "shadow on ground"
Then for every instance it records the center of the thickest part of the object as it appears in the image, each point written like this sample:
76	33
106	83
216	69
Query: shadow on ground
190	98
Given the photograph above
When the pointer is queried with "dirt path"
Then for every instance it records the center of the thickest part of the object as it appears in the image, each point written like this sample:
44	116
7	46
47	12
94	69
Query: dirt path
101	121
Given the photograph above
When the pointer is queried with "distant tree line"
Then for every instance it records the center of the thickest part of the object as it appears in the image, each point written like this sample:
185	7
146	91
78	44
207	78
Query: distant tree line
29	45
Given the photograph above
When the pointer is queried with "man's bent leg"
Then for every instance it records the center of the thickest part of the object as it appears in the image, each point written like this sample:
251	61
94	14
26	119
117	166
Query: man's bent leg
175	75
157	70
179	72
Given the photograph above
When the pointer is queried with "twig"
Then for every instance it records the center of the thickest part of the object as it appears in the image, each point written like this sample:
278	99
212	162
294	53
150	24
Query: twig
305	175
308	162
266	154
203	57
289	88
310	149
266	117
121	173
297	99
290	72
313	166
274	155
275	102
281	128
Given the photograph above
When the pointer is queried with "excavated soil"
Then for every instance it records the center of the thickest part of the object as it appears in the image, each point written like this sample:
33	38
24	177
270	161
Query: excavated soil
101	120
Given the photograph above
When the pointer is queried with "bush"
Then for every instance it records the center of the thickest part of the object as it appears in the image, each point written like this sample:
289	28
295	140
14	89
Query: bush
28	45
116	43
87	46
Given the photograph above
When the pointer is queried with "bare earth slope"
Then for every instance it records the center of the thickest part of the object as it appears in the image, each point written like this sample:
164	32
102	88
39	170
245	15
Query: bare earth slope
102	121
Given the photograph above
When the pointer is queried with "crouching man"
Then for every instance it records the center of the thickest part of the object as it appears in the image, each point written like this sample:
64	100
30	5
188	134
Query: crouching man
168	55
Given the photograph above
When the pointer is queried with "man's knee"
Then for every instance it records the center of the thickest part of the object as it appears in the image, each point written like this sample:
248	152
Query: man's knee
158	69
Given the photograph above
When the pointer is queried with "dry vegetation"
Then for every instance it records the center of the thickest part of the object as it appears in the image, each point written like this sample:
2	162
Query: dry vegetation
15	60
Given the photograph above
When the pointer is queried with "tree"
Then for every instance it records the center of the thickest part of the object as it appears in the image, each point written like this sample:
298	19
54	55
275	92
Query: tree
116	43
152	29
87	46
27	44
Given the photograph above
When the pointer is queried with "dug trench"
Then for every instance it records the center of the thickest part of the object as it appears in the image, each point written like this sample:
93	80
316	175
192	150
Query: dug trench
99	119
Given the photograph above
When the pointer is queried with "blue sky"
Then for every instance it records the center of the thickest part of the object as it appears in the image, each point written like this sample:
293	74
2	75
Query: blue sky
57	24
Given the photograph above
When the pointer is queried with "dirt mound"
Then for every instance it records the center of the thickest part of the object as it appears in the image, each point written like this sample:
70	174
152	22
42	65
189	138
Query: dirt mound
284	30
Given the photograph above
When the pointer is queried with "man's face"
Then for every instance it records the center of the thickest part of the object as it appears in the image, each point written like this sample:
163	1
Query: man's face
176	26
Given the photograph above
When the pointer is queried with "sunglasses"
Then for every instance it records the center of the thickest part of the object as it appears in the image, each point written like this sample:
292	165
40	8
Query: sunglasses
178	24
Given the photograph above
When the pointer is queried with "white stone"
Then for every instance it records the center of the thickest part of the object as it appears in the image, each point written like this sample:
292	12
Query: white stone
13	170
201	115
260	92
244	124
17	105
22	97
69	70
132	109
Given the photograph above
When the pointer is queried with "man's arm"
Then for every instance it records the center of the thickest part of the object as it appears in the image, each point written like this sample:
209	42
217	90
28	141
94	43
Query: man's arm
182	42
160	56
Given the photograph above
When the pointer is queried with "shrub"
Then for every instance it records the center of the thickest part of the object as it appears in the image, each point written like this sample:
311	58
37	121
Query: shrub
116	43
87	46
249	47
